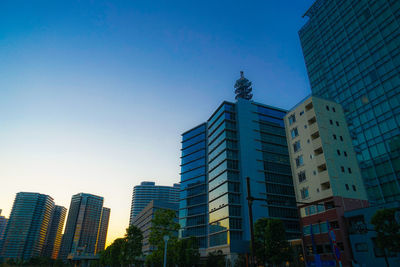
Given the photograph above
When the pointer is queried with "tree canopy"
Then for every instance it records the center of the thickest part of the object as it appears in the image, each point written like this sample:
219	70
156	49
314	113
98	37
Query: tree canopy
124	251
388	230
271	245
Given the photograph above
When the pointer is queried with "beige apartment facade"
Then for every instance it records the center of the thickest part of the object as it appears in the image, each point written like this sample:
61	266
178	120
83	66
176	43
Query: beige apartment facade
326	177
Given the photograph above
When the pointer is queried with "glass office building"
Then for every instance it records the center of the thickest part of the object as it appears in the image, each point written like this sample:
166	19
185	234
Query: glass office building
82	227
241	139
147	191
193	186
26	229
352	55
54	233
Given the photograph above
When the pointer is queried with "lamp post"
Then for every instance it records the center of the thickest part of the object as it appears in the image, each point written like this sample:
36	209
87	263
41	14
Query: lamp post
166	238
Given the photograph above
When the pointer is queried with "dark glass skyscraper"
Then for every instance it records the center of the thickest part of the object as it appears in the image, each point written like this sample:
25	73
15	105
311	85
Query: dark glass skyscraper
103	229
239	140
27	227
193	195
351	50
82	227
54	233
148	191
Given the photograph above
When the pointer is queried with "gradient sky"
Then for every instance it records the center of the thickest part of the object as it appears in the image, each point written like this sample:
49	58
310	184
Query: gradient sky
94	95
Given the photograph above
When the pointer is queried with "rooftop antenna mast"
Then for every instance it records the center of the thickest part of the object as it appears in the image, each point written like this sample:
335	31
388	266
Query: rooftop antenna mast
243	88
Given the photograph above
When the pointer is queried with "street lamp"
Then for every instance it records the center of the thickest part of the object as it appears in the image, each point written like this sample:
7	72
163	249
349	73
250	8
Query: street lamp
166	238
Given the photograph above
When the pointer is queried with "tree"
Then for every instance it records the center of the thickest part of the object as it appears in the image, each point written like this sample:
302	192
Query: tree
215	259
124	251
187	252
163	223
388	231
270	241
132	248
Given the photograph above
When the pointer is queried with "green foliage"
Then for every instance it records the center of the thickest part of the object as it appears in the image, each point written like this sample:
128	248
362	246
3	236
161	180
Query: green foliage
388	230
180	253
187	252
163	223
124	251
215	259
271	245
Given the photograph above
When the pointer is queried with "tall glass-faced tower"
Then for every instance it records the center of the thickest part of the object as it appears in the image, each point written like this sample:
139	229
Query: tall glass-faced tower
239	140
26	230
351	50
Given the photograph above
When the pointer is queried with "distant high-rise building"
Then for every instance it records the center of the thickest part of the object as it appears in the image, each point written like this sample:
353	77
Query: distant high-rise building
351	50
326	176
148	191
26	229
54	233
102	235
82	227
3	224
143	220
239	140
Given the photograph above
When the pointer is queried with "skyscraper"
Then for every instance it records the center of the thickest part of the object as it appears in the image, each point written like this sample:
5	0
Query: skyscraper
239	140
27	227
326	175
351	50
148	191
3	224
82	227
54	233
103	229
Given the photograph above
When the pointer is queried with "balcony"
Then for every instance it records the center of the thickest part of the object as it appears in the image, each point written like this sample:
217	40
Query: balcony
323	177
317	143
315	135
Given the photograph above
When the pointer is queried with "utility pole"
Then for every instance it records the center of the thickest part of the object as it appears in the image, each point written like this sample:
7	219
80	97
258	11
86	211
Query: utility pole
250	203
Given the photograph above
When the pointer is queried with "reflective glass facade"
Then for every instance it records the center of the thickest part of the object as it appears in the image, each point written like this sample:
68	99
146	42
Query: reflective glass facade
27	227
193	193
239	140
276	169
351	50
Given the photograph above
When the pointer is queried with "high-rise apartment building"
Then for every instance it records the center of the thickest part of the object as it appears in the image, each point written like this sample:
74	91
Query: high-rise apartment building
103	229
3	224
82	227
326	176
143	220
148	191
54	233
351	50
239	140
26	229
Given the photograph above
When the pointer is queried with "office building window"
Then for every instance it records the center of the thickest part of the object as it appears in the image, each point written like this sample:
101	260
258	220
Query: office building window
347	187
333	109
334	136
294	132
337	123
349	169
341	138
342	168
301	112
345	153
292	119
327	108
354	188
331	122
338	152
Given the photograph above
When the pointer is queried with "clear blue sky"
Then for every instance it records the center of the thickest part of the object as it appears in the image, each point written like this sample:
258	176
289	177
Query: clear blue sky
94	95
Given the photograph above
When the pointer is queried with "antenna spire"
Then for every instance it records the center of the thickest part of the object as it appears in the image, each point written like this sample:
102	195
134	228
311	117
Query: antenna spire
243	88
